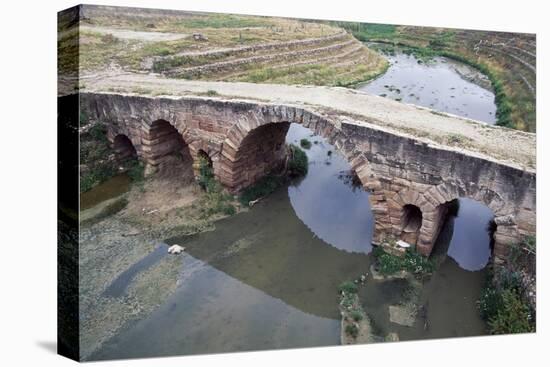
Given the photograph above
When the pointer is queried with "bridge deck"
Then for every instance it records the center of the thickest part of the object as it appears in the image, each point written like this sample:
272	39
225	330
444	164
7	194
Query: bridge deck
507	146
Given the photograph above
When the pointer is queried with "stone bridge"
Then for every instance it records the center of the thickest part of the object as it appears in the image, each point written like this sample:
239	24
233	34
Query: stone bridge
414	163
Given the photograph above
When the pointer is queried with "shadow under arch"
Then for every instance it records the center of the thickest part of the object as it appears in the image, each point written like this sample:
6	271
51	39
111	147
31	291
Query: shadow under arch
164	148
124	148
246	147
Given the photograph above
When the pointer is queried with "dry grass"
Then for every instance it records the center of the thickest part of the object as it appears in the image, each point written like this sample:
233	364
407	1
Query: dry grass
100	50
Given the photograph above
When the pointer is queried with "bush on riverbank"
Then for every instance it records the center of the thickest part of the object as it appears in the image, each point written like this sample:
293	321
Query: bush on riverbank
507	302
412	262
136	171
502	307
263	187
217	200
512	316
352	330
356	325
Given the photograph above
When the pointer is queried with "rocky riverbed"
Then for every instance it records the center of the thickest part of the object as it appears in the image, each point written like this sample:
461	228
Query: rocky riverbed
112	241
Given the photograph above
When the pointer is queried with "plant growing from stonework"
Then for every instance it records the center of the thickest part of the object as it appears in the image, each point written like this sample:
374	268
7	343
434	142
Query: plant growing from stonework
305	143
217	200
298	162
205	178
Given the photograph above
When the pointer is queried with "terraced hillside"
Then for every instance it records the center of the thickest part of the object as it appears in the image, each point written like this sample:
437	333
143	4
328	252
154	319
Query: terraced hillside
221	47
509	59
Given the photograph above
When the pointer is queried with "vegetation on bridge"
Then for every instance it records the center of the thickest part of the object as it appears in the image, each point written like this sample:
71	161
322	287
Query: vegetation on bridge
217	199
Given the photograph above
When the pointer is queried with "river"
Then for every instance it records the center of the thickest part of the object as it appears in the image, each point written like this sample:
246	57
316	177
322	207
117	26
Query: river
268	278
440	83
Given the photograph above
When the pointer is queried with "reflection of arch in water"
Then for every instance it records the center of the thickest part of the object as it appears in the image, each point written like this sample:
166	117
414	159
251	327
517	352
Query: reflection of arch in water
282	259
470	241
326	199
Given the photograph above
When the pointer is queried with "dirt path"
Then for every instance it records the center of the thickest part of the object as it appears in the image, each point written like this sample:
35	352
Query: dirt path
136	35
507	146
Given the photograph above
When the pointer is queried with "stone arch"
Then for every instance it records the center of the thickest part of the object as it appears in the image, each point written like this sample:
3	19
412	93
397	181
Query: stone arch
200	148
411	221
249	141
123	147
124	131
411	202
201	154
433	204
162	144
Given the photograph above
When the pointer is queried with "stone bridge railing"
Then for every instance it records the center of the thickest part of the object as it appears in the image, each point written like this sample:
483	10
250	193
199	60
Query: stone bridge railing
245	140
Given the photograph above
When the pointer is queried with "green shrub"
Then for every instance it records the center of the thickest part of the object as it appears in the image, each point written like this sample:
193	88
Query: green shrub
305	143
501	304
263	187
98	132
509	280
84	120
218	201
229	209
205	178
412	262
352	330
356	315
97	175
348	287
347	300
489	303
513	316
297	167
136	171
298	163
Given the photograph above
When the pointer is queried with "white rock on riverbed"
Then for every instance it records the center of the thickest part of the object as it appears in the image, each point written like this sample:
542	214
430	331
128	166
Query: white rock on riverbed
175	249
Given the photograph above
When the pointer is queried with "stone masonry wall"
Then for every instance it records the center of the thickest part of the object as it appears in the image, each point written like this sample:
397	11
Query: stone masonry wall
244	141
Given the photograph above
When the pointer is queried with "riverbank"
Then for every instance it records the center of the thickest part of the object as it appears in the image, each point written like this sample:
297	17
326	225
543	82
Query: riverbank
124	237
109	245
509	62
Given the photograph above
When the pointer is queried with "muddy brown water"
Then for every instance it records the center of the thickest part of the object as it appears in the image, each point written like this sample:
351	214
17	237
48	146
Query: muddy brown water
113	187
268	278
